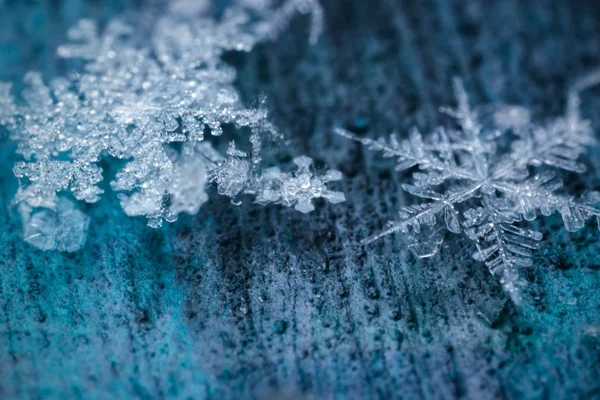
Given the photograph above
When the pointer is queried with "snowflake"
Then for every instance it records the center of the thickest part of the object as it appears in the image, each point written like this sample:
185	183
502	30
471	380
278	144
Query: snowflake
484	181
149	94
235	176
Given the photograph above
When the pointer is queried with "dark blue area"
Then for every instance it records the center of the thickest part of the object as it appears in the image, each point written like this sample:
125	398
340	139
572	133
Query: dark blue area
252	302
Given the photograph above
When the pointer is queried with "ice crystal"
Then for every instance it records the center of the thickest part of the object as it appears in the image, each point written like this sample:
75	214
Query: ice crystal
63	228
144	89
234	176
280	18
485	179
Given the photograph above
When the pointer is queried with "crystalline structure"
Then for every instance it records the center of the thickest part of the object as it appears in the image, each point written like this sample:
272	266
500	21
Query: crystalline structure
300	187
235	176
149	94
64	228
178	187
303	185
484	180
279	19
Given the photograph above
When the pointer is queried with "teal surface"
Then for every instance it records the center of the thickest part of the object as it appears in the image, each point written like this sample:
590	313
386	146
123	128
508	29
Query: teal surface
252	302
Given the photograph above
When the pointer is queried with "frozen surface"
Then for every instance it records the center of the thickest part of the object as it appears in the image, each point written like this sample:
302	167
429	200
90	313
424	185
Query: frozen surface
253	302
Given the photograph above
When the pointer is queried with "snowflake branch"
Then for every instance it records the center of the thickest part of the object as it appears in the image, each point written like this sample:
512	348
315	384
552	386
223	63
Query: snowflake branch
413	152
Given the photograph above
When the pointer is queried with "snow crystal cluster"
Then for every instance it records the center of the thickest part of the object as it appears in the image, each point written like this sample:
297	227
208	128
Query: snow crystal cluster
485	179
150	96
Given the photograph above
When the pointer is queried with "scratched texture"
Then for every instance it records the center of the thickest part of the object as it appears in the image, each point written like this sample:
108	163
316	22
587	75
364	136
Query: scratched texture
265	303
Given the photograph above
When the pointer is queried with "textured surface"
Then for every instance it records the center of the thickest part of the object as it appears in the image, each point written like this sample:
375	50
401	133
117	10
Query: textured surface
251	302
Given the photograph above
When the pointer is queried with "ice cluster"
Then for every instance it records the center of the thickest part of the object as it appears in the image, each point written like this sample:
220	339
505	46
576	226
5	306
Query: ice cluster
150	94
485	177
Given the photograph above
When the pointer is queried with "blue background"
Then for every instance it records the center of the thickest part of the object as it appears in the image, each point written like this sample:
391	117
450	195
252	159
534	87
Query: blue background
252	302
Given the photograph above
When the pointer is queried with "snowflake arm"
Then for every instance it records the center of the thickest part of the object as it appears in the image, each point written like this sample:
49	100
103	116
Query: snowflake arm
538	193
435	156
501	245
426	214
280	18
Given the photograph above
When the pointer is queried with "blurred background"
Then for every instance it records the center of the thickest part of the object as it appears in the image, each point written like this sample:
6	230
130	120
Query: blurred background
253	302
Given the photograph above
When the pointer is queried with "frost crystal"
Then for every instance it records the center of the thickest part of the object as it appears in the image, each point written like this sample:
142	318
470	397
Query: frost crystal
279	19
485	180
149	94
300	187
63	229
235	176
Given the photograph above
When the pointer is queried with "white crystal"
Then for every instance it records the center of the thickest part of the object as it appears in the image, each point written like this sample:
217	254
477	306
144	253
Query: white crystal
63	229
